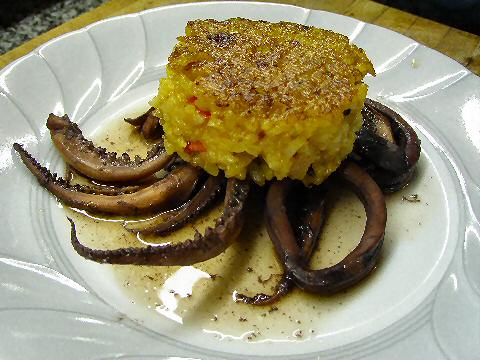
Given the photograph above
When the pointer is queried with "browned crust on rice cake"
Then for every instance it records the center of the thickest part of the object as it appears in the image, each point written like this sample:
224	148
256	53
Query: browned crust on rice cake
257	65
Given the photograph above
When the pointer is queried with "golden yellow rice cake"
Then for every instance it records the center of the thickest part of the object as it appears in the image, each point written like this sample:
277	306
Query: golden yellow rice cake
265	100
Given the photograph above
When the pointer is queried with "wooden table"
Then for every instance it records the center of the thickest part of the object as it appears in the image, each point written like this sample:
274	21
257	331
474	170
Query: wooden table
459	45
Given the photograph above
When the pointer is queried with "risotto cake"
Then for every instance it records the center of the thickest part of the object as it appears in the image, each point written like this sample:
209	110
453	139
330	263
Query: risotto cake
265	100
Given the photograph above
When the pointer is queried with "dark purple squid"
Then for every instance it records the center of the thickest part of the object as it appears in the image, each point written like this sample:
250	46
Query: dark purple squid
95	162
169	192
99	188
165	223
386	146
200	248
308	232
148	124
356	265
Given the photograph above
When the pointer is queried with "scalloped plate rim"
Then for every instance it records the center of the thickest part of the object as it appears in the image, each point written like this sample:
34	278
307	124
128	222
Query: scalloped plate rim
51	42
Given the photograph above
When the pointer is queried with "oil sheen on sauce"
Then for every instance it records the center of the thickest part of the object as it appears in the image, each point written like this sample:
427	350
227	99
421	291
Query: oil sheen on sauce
202	296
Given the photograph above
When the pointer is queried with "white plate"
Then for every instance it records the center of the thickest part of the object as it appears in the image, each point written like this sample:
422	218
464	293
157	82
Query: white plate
423	304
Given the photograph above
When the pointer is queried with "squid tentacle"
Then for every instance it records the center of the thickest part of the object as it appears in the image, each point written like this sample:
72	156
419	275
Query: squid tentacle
95	162
389	157
200	248
168	192
308	237
140	120
356	265
163	224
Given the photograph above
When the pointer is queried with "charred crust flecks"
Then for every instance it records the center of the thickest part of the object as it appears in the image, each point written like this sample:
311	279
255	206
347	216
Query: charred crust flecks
222	39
